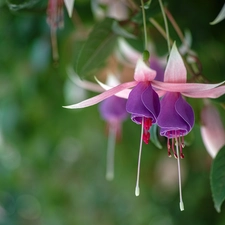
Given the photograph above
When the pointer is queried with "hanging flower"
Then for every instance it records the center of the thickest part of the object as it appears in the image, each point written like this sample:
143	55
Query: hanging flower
55	19
116	9
176	118
212	130
143	102
114	116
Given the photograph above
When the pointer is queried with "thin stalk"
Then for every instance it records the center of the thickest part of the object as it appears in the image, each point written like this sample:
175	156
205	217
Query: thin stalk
166	25
175	25
160	29
144	23
55	53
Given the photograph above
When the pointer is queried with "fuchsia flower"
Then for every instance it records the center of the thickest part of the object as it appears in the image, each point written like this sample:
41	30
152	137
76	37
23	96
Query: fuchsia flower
176	118
114	116
55	19
174	115
212	130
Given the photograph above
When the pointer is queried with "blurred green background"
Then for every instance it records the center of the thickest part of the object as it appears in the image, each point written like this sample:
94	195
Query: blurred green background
52	160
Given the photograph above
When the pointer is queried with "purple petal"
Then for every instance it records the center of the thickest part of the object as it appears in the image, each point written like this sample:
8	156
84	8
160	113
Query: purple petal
176	117
113	109
143	102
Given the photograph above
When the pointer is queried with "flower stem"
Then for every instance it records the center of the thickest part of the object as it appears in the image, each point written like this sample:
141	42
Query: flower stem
166	25
144	23
159	28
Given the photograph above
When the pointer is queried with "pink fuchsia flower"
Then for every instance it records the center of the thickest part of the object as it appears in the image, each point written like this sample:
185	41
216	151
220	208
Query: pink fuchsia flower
212	130
55	19
114	116
143	102
116	9
176	117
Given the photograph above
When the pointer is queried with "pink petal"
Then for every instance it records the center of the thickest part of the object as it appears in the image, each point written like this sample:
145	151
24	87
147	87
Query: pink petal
212	130
69	6
143	72
83	83
212	93
122	94
102	96
175	70
188	88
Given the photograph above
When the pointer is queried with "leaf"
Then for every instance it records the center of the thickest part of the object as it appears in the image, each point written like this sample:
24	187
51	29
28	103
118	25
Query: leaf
218	179
15	5
220	16
97	48
154	136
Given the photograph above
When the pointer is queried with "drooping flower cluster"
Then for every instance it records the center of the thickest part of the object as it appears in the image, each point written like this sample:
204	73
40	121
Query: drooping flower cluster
173	115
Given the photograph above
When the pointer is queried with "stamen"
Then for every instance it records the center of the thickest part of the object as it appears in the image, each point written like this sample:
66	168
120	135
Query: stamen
180	145
168	147
110	152
175	154
179	177
137	189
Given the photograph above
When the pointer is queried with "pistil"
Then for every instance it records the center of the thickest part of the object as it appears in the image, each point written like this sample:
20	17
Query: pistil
179	175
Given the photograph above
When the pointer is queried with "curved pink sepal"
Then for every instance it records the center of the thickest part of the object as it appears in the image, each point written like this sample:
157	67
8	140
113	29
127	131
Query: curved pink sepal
187	88
212	93
175	70
122	94
102	96
143	72
212	130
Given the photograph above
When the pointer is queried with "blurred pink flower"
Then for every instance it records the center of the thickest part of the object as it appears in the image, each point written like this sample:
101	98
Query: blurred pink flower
55	19
116	9
212	130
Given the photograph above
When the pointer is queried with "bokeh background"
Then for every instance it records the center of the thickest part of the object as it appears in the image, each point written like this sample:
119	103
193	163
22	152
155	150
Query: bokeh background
52	160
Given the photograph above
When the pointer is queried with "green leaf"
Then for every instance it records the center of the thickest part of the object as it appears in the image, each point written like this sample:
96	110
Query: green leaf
15	5
220	16
154	136
96	49
218	179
